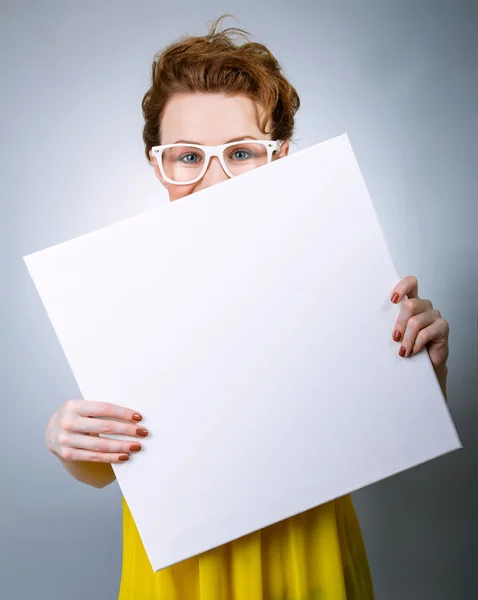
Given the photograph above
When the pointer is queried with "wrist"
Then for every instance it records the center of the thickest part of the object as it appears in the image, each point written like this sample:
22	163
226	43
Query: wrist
441	373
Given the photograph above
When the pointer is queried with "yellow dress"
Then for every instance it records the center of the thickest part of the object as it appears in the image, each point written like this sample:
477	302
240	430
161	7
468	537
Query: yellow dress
317	555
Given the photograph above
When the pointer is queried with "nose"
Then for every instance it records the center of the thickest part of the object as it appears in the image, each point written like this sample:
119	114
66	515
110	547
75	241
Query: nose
214	174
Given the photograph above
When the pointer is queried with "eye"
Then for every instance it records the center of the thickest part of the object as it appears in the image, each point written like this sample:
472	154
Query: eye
190	158
241	154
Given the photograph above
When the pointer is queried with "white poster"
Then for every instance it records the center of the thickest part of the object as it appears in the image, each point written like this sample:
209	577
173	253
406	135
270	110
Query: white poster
250	323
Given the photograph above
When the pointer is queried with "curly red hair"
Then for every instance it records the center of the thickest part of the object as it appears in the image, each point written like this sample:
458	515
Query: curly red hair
219	63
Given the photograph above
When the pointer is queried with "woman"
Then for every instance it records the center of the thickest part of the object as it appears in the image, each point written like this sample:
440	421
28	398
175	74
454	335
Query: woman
215	109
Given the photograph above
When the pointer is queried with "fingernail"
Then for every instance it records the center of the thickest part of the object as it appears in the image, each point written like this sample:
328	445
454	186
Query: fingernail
135	447
124	457
402	351
395	298
141	432
137	417
397	336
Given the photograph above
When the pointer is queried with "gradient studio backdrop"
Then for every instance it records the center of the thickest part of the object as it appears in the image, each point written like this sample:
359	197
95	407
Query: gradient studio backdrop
400	77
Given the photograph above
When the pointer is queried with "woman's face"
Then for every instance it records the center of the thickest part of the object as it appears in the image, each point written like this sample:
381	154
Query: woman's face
210	120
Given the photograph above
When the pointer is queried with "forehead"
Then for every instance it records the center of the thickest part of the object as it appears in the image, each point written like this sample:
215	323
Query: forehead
209	119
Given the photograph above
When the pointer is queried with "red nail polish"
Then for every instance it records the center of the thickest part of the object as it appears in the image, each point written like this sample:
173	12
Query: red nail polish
137	417
402	351
395	298
124	457
397	336
135	447
142	432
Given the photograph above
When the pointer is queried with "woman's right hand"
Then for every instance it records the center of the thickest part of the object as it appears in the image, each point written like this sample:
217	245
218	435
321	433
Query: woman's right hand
73	430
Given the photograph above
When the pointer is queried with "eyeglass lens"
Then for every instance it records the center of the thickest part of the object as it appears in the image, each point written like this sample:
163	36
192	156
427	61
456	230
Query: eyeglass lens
186	163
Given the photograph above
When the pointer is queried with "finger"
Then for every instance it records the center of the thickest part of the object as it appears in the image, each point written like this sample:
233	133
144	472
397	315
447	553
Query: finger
408	286
415	326
437	330
91	408
409	308
91	425
97	444
75	454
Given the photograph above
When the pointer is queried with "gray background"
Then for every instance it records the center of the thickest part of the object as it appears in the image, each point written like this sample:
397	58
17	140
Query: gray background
400	78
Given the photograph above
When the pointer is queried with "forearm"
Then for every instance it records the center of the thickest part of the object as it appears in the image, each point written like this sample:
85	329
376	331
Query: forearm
97	475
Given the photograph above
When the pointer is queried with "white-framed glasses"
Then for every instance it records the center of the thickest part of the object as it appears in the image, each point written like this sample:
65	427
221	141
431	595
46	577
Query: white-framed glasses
184	164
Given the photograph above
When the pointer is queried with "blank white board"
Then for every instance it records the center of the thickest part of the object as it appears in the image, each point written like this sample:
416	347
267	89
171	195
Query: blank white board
251	324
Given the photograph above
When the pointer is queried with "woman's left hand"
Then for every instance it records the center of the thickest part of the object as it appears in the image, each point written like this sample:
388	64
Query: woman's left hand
419	326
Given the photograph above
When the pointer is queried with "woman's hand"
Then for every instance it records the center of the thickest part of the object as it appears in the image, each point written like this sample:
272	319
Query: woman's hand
73	430
419	326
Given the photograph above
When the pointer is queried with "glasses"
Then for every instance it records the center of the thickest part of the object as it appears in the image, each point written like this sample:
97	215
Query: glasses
183	164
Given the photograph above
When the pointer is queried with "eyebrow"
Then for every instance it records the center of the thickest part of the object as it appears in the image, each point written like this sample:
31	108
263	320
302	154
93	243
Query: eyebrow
237	139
